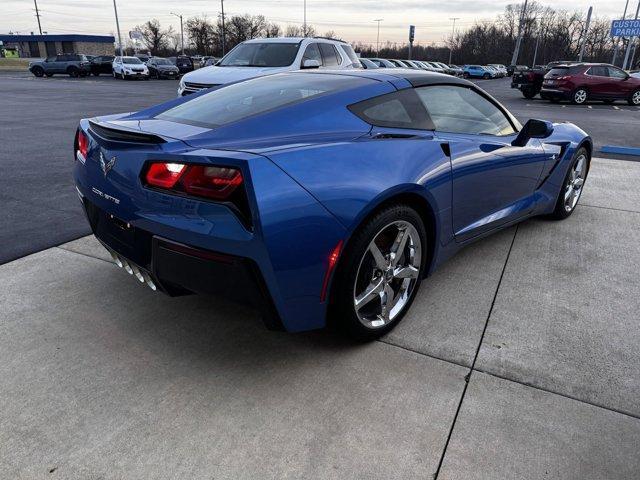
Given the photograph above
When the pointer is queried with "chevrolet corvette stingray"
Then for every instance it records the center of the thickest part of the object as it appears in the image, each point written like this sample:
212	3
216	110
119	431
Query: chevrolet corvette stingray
318	196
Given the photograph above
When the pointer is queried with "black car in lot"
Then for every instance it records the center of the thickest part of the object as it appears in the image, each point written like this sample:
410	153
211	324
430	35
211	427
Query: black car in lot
102	64
162	68
184	63
72	64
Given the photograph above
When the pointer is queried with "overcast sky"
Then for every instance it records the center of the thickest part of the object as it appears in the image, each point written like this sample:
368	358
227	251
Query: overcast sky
351	20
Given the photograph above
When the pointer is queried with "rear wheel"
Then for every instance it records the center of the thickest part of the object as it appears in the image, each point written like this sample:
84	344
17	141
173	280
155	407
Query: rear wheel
528	93
573	184
634	99
73	72
486	76
37	71
380	273
465	75
580	96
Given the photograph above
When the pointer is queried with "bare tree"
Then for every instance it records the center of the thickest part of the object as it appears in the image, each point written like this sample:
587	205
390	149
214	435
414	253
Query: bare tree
155	38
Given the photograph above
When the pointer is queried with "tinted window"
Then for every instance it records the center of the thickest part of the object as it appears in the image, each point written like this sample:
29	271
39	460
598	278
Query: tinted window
401	109
312	53
241	100
131	60
616	73
329	54
261	55
462	110
598	71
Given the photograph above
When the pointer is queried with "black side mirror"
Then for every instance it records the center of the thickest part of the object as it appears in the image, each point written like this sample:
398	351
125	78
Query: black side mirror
533	129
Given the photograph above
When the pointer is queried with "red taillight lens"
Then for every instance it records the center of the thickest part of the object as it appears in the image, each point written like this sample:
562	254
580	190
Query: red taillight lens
212	182
217	183
164	175
83	143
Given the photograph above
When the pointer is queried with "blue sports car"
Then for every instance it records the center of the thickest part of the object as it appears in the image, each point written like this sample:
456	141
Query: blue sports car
320	197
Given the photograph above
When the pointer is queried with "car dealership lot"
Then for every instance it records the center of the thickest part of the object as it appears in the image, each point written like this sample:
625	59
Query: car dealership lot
103	378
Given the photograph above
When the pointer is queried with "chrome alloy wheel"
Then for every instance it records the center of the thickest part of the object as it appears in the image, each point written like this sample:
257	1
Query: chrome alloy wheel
580	96
575	182
387	274
635	98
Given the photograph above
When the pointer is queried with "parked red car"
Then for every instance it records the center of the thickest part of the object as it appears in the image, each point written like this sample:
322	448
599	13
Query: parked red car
580	82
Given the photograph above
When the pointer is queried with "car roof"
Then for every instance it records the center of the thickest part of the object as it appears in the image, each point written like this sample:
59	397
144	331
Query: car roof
292	40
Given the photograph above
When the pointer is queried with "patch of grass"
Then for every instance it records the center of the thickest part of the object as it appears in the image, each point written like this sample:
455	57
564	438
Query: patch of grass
14	63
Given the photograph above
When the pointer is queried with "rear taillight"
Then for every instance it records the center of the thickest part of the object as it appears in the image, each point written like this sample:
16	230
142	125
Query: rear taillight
530	76
82	144
216	183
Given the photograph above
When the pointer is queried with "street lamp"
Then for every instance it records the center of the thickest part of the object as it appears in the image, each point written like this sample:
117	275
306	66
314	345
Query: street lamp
453	34
181	31
378	38
115	9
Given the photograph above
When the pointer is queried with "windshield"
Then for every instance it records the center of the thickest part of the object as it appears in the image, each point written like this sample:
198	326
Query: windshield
258	95
162	61
261	55
131	60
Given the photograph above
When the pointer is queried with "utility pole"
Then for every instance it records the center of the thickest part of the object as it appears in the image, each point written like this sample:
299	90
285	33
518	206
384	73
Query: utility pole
586	33
115	9
181	32
304	21
378	38
453	34
223	31
535	52
516	50
630	42
615	49
38	16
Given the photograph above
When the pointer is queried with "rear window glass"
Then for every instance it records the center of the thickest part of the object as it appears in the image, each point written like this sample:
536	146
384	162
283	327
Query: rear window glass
259	95
350	53
558	71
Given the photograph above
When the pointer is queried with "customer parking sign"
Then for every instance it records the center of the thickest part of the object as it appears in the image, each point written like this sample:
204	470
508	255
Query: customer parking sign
625	28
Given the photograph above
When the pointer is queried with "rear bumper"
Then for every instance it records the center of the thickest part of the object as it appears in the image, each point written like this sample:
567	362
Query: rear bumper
553	93
178	269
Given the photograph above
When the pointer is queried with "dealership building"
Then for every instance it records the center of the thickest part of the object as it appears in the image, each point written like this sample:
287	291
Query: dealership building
40	46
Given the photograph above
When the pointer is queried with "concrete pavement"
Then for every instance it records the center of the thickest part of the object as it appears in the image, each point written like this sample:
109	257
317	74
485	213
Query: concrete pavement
102	378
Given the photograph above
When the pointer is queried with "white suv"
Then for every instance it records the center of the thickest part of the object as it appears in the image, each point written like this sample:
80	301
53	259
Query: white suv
264	56
129	67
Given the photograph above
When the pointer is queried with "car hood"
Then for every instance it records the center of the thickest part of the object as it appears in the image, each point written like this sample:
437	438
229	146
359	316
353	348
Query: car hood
221	75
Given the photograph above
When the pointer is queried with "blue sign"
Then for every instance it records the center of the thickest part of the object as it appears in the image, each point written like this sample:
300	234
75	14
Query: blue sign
625	28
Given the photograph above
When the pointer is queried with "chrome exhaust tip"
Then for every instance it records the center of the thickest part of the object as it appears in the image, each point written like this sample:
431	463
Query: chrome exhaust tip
149	282
127	267
138	274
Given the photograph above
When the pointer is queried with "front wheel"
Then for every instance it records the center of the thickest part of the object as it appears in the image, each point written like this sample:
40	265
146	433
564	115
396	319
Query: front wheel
634	99
38	71
73	72
573	184
486	76
379	273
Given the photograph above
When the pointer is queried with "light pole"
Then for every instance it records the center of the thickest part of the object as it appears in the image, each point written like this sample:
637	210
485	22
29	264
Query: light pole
378	37
586	32
304	20
181	32
223	33
630	43
115	9
38	16
615	49
516	50
453	34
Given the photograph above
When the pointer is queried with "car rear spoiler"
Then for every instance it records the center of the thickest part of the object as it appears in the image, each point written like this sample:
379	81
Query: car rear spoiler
119	134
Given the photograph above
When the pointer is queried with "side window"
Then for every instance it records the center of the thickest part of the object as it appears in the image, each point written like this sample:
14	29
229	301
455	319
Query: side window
329	54
312	53
598	71
350	53
401	109
616	73
62	58
52	58
457	109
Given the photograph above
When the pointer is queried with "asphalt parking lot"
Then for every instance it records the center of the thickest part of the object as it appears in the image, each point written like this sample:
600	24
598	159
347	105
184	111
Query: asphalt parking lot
517	360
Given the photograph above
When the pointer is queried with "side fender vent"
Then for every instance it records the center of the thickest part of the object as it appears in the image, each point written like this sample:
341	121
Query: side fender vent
446	149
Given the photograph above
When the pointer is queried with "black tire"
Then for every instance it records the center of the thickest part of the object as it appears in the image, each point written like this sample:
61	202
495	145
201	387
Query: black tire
342	313
486	76
38	71
634	98
465	75
559	211
73	72
580	96
528	93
